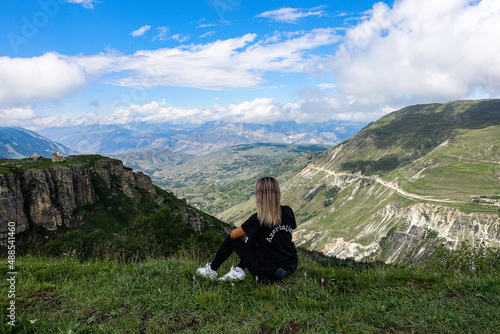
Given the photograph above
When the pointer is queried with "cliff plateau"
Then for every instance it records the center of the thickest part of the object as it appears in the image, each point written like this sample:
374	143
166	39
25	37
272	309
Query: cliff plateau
53	195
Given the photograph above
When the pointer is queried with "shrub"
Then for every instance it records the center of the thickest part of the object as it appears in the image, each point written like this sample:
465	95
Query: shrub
77	243
468	259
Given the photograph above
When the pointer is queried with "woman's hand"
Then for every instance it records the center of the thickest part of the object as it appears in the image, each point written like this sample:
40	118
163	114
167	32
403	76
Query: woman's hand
237	233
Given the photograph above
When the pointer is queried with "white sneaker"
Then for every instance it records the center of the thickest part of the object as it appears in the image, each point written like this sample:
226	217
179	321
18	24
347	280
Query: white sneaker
234	274
207	272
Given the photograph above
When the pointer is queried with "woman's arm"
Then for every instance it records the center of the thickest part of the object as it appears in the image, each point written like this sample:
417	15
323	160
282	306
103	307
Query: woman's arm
237	233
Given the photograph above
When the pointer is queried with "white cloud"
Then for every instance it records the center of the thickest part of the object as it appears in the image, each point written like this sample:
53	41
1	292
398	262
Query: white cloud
16	116
206	25
290	15
207	34
141	31
162	35
180	38
28	80
313	107
260	110
421	51
326	85
232	63
85	3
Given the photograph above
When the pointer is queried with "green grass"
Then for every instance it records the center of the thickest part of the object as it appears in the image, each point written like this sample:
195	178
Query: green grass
162	295
459	181
6	165
478	208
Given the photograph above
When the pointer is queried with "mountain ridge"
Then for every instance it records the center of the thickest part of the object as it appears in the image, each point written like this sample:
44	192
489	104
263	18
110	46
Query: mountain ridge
17	142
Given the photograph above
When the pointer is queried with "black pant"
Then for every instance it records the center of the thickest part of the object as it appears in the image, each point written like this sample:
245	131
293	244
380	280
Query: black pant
247	252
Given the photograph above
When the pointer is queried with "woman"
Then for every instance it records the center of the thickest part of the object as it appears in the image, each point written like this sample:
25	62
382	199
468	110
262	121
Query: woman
269	252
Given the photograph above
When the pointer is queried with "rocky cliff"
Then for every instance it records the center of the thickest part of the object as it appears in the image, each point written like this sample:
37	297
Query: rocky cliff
372	221
49	195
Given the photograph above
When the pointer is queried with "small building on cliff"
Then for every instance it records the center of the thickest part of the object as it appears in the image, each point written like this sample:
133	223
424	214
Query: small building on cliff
56	157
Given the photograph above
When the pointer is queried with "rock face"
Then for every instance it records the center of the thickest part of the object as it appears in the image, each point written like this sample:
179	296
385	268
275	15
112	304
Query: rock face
11	204
372	219
398	234
49	196
52	194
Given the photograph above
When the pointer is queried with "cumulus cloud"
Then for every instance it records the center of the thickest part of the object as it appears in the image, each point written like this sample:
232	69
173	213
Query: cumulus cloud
85	3
28	80
310	109
232	63
421	51
16	116
141	31
260	110
290	15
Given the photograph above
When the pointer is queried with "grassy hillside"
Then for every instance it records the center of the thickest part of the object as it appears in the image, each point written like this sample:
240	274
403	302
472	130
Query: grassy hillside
400	138
468	165
162	295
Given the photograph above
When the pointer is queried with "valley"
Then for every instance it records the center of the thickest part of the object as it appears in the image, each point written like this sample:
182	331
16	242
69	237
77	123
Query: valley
220	180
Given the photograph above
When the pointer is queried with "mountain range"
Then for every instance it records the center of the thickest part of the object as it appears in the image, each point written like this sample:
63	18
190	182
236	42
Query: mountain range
195	139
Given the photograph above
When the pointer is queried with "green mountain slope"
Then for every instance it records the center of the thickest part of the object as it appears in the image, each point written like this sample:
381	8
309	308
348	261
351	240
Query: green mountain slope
419	176
404	136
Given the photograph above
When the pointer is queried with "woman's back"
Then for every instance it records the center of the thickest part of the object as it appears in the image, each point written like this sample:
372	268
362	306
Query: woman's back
275	247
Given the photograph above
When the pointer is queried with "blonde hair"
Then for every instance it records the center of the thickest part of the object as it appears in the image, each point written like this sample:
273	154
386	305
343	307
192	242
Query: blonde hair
268	198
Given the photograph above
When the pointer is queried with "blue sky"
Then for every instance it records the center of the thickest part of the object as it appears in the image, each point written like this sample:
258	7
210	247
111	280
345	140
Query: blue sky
119	61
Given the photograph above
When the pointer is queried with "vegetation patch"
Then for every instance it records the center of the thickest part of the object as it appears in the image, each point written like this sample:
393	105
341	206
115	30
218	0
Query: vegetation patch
381	166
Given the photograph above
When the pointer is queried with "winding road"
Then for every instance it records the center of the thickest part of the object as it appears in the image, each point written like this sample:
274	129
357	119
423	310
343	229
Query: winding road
390	185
